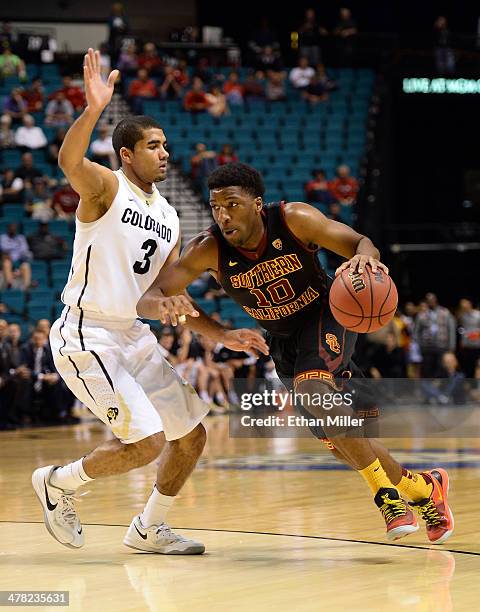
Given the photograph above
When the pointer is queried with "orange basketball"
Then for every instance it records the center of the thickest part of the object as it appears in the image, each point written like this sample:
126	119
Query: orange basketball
363	302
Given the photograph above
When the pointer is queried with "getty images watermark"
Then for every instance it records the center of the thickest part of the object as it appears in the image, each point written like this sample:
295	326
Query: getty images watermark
273	400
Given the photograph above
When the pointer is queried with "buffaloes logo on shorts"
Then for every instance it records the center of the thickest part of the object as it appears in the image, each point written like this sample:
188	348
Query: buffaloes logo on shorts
112	414
333	343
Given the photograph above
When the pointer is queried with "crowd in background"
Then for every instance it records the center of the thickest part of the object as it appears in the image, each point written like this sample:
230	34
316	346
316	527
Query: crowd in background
424	340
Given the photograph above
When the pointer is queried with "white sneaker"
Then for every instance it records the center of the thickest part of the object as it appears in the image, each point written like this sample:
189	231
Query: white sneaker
60	515
160	539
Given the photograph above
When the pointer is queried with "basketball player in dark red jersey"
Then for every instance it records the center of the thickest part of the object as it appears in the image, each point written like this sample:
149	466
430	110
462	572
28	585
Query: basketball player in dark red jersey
265	258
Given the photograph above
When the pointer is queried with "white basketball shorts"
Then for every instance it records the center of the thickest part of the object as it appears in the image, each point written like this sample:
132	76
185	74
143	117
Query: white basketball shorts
117	370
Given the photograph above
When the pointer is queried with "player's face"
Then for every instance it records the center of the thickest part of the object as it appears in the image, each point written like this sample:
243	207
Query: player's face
237	214
150	156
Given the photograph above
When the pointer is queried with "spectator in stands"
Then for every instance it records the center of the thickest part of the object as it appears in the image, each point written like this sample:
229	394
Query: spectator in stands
196	101
54	146
301	75
59	111
142	88
275	88
150	60
105	61
27	171
34	96
451	388
233	89
226	155
345	32
171	87
14	105
315	91
217	102
11	187
469	331
30	136
335	211
344	188
102	148
328	83
269	60
317	190
203	71
65	201
444	54
254	86
263	36
309	34
11	65
72	93
128	60
44	325
202	163
44	380
388	359
38	201
7	135
14	379
15	255
435	332
118	27
7	37
166	341
46	246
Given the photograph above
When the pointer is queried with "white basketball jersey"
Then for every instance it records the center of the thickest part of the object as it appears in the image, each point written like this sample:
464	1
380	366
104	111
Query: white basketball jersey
117	258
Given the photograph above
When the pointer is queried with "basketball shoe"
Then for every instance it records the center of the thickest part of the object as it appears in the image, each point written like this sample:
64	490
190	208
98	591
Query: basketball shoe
435	510
160	539
399	518
59	512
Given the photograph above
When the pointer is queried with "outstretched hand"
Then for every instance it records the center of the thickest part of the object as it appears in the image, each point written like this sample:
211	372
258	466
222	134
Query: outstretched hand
248	340
359	262
98	93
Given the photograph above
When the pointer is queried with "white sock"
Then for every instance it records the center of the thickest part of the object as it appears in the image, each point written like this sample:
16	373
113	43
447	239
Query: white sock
70	477
156	508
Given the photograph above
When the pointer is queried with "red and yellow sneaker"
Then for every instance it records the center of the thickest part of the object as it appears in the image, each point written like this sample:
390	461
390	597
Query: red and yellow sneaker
399	518
435	510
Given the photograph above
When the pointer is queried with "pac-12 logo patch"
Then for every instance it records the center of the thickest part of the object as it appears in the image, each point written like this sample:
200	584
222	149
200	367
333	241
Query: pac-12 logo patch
277	244
112	414
333	343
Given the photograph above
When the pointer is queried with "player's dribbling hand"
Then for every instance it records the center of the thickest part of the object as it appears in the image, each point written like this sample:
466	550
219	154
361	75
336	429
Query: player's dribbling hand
174	309
358	263
248	340
97	92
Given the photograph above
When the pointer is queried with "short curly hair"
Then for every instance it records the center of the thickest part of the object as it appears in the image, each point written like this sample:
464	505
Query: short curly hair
237	174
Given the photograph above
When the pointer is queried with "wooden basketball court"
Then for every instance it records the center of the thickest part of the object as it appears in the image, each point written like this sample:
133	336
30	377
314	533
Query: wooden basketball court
285	529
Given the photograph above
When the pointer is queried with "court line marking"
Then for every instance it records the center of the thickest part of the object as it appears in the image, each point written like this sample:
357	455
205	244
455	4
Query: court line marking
285	535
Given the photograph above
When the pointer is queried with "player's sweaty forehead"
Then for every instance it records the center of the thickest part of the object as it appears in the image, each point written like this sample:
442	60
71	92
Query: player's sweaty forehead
223	195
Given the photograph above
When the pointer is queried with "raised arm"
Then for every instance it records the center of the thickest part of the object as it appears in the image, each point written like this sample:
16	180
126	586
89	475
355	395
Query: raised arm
312	227
95	184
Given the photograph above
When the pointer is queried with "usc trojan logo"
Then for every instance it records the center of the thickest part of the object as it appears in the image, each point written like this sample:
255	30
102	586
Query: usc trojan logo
357	281
333	343
112	414
277	244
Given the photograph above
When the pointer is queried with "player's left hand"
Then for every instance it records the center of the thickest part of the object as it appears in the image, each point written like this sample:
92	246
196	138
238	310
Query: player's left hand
248	340
358	263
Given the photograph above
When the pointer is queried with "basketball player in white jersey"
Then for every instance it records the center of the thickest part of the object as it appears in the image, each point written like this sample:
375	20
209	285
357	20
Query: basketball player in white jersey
125	232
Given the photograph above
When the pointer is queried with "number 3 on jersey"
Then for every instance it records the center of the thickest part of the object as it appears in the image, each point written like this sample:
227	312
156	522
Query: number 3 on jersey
142	267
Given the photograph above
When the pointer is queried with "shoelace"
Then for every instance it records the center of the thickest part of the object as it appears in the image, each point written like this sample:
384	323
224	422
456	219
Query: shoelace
67	512
165	532
429	513
392	508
